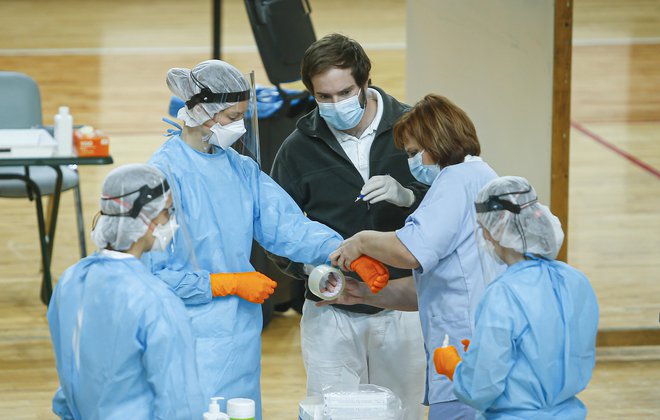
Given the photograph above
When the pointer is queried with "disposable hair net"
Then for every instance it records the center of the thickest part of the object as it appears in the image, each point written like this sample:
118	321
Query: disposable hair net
115	227
534	230
218	76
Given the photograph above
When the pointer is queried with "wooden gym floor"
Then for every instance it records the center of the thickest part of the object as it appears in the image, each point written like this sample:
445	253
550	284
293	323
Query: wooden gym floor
107	61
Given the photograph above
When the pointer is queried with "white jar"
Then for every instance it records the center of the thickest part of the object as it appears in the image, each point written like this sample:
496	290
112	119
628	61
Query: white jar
241	409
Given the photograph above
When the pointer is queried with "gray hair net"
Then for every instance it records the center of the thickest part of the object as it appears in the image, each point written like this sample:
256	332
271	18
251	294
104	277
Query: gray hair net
535	230
217	75
120	232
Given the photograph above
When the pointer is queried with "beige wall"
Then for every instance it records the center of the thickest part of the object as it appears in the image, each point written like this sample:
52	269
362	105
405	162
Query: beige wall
494	58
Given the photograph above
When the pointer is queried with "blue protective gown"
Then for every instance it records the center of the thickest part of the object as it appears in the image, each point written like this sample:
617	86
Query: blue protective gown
123	344
534	345
449	281
225	202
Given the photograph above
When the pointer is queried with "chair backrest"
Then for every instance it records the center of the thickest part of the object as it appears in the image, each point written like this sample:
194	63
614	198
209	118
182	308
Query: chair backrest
20	101
283	30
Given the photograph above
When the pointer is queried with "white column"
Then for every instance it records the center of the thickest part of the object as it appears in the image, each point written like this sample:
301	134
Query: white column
494	59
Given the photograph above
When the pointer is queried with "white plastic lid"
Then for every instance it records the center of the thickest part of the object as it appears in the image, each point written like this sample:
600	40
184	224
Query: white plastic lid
64	110
240	408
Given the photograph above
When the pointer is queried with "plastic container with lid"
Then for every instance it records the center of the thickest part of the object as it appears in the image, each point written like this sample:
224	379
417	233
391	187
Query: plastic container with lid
241	409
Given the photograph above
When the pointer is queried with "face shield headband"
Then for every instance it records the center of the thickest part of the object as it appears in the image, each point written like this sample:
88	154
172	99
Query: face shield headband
206	96
145	196
495	203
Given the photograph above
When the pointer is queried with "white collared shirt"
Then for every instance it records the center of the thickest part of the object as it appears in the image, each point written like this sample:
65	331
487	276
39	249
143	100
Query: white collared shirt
115	254
357	149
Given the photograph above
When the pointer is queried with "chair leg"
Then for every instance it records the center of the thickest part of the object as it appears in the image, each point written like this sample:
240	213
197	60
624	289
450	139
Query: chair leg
46	281
35	194
79	220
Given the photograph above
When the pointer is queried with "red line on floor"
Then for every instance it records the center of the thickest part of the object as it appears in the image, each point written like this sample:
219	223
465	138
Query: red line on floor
620	121
615	149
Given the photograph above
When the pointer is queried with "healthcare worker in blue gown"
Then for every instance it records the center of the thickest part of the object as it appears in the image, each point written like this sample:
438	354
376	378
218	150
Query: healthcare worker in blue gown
226	201
534	345
122	339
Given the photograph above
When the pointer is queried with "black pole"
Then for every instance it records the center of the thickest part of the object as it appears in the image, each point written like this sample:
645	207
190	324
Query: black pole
217	18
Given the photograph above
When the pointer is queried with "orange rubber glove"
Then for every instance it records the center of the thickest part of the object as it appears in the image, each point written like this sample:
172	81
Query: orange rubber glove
466	344
252	286
373	272
445	360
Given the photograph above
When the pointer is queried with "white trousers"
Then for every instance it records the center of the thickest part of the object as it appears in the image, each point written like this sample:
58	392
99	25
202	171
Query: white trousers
346	348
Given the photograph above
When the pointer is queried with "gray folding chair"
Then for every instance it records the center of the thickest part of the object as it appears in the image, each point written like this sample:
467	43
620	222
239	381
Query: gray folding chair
20	107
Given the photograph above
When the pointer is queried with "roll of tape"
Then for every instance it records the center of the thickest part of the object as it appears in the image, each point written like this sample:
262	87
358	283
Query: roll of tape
318	282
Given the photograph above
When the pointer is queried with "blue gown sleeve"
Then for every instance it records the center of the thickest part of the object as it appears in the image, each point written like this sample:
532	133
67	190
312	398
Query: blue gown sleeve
192	287
437	227
481	376
60	406
169	361
282	228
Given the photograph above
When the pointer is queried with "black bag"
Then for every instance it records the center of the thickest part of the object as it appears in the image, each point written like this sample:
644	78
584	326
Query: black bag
283	30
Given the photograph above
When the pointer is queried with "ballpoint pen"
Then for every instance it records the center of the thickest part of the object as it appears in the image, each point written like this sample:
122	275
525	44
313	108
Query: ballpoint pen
359	197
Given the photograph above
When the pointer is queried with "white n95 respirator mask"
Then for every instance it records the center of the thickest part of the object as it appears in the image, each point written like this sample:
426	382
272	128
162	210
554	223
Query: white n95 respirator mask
224	136
164	234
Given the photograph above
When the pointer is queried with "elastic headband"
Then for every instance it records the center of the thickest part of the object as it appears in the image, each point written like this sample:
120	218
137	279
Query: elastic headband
495	203
146	196
207	96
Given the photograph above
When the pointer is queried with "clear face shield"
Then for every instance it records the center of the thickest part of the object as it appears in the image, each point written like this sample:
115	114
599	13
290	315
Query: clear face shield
494	211
492	265
248	144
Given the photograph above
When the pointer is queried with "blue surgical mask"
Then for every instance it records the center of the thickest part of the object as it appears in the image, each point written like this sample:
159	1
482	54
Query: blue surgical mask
342	115
425	174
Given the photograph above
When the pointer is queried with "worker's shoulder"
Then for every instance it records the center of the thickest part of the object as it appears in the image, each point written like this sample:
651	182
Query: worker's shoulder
295	137
573	278
161	155
471	175
147	290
